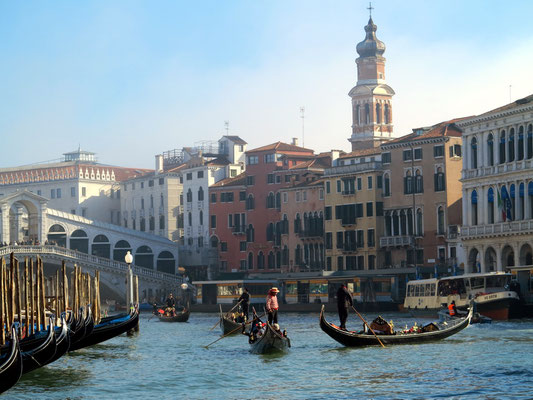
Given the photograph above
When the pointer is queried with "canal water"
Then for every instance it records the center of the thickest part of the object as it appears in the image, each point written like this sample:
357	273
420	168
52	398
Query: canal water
168	361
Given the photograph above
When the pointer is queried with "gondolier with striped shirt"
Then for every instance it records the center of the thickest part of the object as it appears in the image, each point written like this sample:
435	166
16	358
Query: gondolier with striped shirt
272	305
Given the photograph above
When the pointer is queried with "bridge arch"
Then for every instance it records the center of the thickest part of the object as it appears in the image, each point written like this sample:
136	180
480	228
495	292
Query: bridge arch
144	257
101	246
57	235
120	250
79	241
166	262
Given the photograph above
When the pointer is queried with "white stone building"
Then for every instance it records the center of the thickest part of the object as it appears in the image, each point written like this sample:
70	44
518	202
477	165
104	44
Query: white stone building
497	177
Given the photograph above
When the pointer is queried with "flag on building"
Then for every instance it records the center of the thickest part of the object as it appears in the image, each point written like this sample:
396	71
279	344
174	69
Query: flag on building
500	205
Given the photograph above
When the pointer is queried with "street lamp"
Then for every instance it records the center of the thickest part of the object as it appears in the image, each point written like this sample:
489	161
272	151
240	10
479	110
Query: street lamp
185	287
129	259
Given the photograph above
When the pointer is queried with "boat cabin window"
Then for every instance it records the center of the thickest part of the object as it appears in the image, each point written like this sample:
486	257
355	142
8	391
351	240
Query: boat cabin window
411	291
428	290
229	290
452	286
497	281
477	283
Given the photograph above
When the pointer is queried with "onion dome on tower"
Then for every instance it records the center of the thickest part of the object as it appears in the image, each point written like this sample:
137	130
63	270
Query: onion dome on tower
371	46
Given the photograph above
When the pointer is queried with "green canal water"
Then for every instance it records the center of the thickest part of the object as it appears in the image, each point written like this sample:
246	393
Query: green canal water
168	361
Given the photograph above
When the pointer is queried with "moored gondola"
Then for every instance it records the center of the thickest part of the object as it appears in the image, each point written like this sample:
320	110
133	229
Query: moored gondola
37	350
10	363
180	316
77	328
270	342
108	329
357	339
62	340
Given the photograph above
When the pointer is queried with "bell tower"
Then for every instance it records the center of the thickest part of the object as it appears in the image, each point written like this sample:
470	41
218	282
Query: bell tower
371	96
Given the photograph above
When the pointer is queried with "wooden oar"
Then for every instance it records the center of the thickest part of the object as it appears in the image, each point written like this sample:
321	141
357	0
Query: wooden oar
366	323
221	315
222	337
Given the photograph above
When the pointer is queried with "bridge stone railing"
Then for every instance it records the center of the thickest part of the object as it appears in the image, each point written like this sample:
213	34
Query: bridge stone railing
95	261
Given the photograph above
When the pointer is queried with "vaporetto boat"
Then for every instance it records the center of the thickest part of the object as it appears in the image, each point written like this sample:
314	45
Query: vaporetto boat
489	291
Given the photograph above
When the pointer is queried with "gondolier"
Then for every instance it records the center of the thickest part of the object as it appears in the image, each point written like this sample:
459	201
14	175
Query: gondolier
272	305
344	300
245	302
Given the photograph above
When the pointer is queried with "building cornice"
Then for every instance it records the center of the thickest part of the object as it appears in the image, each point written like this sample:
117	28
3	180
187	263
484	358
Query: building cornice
495	115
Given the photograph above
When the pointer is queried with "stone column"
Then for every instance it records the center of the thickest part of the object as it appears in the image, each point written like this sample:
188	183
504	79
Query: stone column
466	250
481	255
18	223
499	264
516	251
481	201
466	216
5	224
42	223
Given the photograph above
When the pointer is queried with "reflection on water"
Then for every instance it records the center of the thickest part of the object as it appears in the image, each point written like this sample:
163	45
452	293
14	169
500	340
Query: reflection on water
169	361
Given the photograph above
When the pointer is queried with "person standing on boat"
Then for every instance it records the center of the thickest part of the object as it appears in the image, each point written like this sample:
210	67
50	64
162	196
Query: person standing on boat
245	303
452	309
344	300
272	305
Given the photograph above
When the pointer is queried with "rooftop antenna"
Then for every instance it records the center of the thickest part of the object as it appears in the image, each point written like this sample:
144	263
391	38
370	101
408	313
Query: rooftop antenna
302	116
226	127
370	8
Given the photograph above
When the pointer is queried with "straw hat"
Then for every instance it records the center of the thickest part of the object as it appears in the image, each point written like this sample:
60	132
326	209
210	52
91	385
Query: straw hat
275	290
276	327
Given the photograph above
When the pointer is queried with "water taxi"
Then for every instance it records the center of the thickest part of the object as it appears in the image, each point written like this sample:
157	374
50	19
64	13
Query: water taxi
489	291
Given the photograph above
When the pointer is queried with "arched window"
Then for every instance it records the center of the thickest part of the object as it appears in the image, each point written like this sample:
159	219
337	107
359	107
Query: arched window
297	223
285	225
151	223
530	198
520	155
270	200
306	224
166	262
510	145
473	201
79	241
278	201
490	206
120	250
473	145
440	220
367	113
419	182
260	260
439	180
151	201
200	194
270	232
408	183
271	262
490	150
512	193
378	113
530	141
298	255
250	234
250	260
143	224
521	210
214	241
409	221
144	257
387	114
419	223
189	217
285	256
396	222
250	205
388	224
386	184
278	259
142	203
502	147
201	217
101	246
358	114
162	202
189	196
161	222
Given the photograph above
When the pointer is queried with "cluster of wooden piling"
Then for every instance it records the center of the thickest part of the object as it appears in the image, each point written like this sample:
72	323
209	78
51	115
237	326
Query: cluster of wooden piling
28	298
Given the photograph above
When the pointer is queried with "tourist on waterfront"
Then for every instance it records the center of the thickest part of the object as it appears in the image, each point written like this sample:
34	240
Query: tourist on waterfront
452	309
272	305
344	300
245	302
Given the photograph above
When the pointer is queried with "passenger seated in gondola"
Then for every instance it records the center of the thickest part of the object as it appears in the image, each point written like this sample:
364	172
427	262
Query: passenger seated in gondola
277	329
380	326
240	318
255	330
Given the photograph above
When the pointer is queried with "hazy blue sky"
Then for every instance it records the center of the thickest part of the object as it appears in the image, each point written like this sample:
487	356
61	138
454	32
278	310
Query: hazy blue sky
131	79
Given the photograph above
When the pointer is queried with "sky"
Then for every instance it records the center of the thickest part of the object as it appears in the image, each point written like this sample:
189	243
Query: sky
132	79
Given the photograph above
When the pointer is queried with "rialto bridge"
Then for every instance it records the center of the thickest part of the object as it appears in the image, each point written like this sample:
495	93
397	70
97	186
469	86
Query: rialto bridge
30	228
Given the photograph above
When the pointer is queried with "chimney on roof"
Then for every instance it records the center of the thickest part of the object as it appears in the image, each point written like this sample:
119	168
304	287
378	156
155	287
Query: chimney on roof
158	163
295	141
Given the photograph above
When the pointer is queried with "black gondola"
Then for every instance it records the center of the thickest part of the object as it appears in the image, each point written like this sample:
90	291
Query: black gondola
10	363
179	316
109	329
357	339
229	326
270	342
37	350
62	340
77	328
